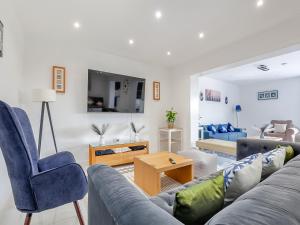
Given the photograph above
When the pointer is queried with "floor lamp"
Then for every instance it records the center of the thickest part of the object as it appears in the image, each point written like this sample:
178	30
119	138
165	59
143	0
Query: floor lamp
238	109
44	96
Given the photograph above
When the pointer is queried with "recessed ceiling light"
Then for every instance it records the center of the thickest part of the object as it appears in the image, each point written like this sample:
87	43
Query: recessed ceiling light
260	3
168	53
76	25
201	35
131	41
158	14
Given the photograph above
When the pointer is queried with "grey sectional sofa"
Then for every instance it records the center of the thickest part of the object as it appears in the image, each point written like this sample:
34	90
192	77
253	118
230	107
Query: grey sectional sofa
114	201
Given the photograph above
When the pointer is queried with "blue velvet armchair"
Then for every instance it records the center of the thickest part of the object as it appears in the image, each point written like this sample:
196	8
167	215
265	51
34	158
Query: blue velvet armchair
37	184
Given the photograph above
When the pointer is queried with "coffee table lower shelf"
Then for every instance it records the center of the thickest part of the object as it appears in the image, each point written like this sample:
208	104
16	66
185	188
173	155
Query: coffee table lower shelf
148	168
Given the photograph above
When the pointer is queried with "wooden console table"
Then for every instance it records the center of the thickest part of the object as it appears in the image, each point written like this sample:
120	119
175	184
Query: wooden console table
117	158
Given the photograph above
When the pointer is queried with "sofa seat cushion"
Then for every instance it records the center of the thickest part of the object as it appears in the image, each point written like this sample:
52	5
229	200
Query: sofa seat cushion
273	201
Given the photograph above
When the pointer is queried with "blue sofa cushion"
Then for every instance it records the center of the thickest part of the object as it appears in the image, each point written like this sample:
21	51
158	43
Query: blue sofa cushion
212	128
222	129
230	128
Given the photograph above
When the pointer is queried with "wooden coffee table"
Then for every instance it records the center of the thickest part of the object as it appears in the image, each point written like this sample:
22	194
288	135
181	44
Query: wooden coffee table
147	170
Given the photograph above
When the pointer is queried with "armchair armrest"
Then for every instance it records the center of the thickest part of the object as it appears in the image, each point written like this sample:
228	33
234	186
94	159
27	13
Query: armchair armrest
59	186
292	131
56	160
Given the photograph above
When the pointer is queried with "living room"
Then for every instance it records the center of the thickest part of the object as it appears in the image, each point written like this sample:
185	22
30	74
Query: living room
48	48
249	97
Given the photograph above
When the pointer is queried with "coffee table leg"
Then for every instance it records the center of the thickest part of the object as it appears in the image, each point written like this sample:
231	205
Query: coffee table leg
182	175
146	178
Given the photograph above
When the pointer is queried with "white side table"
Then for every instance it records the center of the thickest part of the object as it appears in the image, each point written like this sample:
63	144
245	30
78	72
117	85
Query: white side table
170	140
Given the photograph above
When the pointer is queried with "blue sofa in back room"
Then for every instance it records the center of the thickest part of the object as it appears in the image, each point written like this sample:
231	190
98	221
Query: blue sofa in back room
215	131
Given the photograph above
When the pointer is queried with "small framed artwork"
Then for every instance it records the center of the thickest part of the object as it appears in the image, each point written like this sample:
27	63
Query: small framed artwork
267	95
156	90
59	79
212	95
1	39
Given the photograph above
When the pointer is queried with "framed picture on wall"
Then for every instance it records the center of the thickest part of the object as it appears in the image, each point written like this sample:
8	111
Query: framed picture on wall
1	39
267	95
156	90
59	79
212	95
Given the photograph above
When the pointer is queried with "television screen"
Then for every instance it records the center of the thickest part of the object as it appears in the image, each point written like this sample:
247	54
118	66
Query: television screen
108	92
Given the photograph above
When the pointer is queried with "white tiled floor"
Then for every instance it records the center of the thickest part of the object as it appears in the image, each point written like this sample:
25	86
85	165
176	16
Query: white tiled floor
64	215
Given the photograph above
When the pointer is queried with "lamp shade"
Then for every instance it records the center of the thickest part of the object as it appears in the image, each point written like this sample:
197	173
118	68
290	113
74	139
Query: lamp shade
238	108
43	95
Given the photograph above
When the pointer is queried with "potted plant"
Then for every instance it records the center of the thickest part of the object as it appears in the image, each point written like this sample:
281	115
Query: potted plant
171	117
136	131
101	132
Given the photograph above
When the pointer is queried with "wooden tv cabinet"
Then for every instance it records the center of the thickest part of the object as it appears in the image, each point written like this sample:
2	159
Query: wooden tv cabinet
117	158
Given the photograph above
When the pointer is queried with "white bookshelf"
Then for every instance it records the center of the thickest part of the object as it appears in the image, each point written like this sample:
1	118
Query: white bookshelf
170	140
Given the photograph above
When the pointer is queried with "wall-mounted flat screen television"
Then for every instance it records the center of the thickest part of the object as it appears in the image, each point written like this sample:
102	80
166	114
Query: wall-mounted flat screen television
109	92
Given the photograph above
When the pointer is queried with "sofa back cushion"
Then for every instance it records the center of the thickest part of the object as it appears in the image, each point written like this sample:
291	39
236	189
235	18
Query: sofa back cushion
273	201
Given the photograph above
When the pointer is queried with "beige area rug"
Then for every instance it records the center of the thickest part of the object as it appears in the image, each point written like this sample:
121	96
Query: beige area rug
167	183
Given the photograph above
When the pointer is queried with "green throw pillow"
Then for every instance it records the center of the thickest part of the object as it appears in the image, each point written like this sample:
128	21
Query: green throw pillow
200	202
289	152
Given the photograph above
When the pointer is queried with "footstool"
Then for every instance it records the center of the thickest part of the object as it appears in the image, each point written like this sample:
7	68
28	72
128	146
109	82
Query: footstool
204	163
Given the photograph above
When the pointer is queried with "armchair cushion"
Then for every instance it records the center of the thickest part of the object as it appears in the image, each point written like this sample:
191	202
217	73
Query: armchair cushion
62	185
54	161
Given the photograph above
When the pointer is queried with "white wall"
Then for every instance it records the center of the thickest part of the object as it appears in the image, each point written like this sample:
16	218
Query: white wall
286	107
270	42
218	112
71	120
10	77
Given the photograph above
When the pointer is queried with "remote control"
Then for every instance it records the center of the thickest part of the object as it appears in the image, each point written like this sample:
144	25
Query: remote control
172	161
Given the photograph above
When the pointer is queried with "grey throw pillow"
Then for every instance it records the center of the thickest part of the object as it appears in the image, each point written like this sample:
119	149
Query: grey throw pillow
242	176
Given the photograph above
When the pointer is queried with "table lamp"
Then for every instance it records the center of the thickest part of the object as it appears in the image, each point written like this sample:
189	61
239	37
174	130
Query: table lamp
44	96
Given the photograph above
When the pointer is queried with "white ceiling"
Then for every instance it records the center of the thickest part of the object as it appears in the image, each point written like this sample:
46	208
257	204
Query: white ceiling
108	24
250	74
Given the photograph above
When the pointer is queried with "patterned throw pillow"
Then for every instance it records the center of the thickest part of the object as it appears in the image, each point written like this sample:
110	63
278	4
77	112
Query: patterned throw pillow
212	128
222	129
242	176
230	128
273	161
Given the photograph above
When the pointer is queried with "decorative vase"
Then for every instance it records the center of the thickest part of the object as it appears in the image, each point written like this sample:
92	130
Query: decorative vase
102	140
136	137
170	125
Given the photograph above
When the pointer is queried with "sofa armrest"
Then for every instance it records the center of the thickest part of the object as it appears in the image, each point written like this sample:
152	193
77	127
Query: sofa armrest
238	130
207	134
113	200
246	147
59	186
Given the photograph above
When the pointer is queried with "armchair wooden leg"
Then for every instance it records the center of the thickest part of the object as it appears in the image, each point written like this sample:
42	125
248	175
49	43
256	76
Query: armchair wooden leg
28	219
78	213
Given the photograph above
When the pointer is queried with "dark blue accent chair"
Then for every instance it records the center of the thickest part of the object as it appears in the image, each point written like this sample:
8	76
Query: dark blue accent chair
37	184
